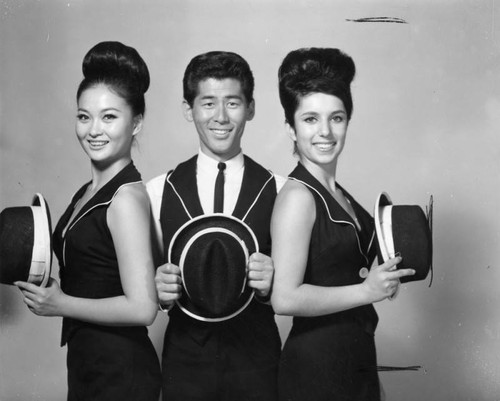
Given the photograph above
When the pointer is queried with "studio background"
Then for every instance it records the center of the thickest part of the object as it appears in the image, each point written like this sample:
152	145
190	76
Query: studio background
426	121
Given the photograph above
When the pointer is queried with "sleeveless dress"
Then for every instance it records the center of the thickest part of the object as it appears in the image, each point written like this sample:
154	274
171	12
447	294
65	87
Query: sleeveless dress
104	362
332	357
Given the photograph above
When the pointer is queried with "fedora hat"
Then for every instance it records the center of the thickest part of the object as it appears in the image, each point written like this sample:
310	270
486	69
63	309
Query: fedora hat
26	243
404	230
212	252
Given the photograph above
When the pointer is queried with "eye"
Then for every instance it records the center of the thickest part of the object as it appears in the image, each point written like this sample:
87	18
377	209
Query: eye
233	105
208	105
109	117
338	118
310	120
82	117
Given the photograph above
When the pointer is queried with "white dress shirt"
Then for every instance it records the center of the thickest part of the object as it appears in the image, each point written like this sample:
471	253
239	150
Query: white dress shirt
206	174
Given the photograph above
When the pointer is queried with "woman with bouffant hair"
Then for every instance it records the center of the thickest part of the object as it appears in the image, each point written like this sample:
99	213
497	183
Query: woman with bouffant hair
102	241
323	242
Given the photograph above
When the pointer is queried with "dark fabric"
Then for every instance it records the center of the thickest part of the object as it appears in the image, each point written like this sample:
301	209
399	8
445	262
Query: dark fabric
219	189
214	268
16	244
112	363
236	359
412	240
213	280
333	357
89	269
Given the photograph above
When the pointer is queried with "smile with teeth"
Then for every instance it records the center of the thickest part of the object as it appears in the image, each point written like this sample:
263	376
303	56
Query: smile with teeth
221	131
325	146
97	144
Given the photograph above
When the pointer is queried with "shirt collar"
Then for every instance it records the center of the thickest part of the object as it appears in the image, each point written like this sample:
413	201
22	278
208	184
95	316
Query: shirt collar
206	162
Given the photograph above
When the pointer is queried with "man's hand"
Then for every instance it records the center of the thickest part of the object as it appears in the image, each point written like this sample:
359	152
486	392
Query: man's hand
260	274
168	284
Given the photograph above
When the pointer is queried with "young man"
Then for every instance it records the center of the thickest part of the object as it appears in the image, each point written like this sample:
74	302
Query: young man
235	359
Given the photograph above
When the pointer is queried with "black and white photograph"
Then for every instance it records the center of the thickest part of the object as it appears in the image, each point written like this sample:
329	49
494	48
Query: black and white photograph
264	200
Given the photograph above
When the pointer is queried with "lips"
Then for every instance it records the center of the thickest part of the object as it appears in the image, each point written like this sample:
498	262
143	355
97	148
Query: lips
97	144
324	146
221	131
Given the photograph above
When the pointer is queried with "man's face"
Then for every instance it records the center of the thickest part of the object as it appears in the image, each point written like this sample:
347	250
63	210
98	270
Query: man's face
220	112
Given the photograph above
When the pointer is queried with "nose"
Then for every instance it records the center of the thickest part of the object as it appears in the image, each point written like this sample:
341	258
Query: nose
95	128
221	115
325	128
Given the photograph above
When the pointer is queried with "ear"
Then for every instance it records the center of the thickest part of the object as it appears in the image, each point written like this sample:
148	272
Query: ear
138	121
251	111
290	131
187	110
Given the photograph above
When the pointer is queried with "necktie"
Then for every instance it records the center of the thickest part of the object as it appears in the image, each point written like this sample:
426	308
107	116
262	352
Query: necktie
219	189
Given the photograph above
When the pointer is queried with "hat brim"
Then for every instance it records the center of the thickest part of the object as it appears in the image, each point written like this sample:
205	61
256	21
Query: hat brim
383	200
41	260
187	240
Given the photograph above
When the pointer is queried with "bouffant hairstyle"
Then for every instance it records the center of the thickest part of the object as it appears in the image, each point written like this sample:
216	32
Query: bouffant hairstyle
121	69
315	70
217	65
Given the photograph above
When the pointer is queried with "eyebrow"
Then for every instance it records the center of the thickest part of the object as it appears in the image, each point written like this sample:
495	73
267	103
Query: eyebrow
103	111
315	113
210	97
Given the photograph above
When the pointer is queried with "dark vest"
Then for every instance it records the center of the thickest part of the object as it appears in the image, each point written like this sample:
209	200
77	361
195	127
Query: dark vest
86	252
254	206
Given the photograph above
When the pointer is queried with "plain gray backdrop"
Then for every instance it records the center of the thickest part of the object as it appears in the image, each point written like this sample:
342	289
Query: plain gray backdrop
426	121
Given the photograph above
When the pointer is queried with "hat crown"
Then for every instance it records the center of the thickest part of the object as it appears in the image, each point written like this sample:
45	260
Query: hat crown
25	243
404	230
212	252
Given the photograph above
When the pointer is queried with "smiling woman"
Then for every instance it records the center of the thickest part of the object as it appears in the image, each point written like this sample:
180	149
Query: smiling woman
322	243
102	242
106	127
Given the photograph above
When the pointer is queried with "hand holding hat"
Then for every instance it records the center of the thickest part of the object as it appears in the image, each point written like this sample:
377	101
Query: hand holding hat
43	301
168	284
383	280
260	274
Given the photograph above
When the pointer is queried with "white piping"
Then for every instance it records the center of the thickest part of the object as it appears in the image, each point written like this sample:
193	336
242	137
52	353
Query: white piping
89	210
180	198
332	219
257	197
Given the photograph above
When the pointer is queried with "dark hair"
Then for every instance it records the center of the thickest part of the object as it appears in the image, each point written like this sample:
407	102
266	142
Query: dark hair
218	65
315	70
121	68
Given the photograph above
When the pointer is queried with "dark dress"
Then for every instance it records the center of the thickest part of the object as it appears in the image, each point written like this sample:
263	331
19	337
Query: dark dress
104	362
332	357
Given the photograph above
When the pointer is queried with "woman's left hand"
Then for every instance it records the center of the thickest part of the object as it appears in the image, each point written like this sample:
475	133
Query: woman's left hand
42	301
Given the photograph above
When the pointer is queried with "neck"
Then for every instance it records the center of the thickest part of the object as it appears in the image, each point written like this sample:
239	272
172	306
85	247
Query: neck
324	173
220	157
102	174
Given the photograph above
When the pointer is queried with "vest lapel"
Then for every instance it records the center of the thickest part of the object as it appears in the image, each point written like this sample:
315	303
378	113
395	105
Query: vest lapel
183	181
255	178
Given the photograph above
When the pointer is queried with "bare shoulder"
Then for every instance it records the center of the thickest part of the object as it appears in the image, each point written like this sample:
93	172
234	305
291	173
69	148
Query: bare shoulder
130	197
295	193
295	206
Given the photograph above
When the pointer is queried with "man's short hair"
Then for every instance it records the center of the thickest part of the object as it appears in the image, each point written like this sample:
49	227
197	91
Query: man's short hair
217	65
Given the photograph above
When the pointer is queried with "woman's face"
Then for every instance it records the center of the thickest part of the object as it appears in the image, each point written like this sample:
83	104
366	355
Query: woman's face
105	125
320	128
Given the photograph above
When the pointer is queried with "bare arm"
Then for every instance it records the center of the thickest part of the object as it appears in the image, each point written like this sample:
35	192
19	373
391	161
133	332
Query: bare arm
129	222
291	225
